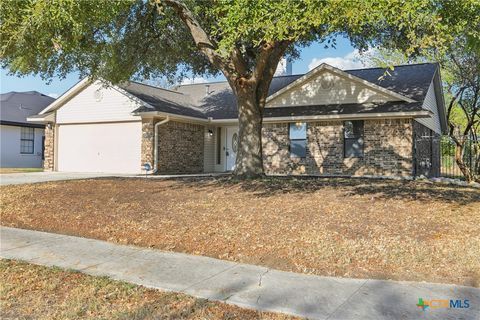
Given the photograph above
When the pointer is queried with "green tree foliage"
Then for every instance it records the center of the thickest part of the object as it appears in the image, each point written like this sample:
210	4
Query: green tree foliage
460	70
243	39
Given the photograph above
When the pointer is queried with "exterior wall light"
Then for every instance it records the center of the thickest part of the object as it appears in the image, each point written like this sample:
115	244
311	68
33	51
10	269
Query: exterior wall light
210	132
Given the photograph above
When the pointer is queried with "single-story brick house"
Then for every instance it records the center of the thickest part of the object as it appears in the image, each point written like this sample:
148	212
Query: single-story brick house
325	122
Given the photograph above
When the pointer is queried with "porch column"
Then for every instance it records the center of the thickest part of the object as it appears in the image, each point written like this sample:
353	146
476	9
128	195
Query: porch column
49	149
148	135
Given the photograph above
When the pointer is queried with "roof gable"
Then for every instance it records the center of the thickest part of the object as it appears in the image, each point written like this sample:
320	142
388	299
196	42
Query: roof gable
98	103
70	93
328	85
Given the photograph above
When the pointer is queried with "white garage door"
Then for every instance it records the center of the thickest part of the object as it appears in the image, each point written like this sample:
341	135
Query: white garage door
101	147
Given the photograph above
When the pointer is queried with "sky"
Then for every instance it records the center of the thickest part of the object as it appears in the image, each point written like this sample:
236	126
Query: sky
343	56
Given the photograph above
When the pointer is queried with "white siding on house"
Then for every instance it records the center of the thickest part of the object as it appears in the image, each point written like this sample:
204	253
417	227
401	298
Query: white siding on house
209	150
221	167
10	156
430	103
97	104
328	88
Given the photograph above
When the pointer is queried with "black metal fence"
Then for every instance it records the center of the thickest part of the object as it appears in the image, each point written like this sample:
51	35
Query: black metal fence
471	157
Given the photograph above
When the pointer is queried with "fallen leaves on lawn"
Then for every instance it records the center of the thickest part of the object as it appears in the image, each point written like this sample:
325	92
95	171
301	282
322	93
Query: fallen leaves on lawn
36	292
337	227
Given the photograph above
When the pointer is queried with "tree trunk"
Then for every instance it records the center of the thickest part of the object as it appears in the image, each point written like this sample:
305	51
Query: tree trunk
476	166
249	162
459	149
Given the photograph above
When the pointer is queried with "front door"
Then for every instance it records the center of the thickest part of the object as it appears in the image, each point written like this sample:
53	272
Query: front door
232	147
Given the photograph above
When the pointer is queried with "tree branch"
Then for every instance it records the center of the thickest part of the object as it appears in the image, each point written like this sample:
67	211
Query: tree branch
449	111
239	62
267	63
265	58
200	37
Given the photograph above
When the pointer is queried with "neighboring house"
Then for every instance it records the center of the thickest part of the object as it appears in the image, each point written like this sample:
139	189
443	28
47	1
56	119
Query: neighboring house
21	141
326	122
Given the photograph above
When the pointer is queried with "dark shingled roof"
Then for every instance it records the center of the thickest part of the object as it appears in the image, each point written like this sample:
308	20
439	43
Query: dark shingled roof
221	103
17	106
163	100
411	81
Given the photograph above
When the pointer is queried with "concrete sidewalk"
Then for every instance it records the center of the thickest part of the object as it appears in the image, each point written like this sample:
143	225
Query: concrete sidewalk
240	284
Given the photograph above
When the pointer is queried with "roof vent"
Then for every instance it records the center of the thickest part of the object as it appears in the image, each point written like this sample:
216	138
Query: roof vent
207	89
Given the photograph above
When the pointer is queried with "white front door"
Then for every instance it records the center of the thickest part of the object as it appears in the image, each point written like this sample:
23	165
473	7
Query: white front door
232	147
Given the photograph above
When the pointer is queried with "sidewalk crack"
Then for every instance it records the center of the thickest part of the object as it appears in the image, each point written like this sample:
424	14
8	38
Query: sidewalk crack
261	276
210	277
346	300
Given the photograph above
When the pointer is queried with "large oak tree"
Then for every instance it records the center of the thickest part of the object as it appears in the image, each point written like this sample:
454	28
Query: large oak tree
242	39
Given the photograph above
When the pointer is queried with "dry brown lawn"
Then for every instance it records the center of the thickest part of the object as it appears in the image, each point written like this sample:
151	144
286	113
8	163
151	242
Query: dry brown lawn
19	170
337	227
33	292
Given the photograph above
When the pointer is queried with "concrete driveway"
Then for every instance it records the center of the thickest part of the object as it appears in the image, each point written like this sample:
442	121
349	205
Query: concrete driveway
34	177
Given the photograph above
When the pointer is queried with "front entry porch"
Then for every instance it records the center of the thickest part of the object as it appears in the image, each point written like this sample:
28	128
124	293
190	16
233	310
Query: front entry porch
187	148
220	151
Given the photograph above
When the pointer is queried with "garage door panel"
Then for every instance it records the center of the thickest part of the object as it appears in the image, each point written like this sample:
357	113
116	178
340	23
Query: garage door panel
106	147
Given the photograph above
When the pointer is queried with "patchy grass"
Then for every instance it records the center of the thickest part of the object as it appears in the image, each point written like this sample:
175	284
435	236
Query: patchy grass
337	227
19	170
28	291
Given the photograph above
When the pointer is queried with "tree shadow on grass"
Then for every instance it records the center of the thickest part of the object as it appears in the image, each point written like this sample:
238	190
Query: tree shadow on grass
377	188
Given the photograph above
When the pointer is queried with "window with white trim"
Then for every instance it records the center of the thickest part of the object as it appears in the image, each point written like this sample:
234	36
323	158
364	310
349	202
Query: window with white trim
27	138
298	139
353	139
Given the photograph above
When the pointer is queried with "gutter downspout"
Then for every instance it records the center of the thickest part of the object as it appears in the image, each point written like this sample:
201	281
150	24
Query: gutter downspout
155	151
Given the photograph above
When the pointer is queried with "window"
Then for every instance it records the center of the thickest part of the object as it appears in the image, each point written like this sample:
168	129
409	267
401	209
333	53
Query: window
219	145
27	136
353	139
298	139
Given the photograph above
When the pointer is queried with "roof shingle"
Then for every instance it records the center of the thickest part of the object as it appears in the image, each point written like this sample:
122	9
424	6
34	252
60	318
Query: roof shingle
192	100
17	106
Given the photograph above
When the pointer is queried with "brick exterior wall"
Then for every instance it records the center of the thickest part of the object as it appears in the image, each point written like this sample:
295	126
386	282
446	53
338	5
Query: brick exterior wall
148	141
49	153
180	148
387	149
